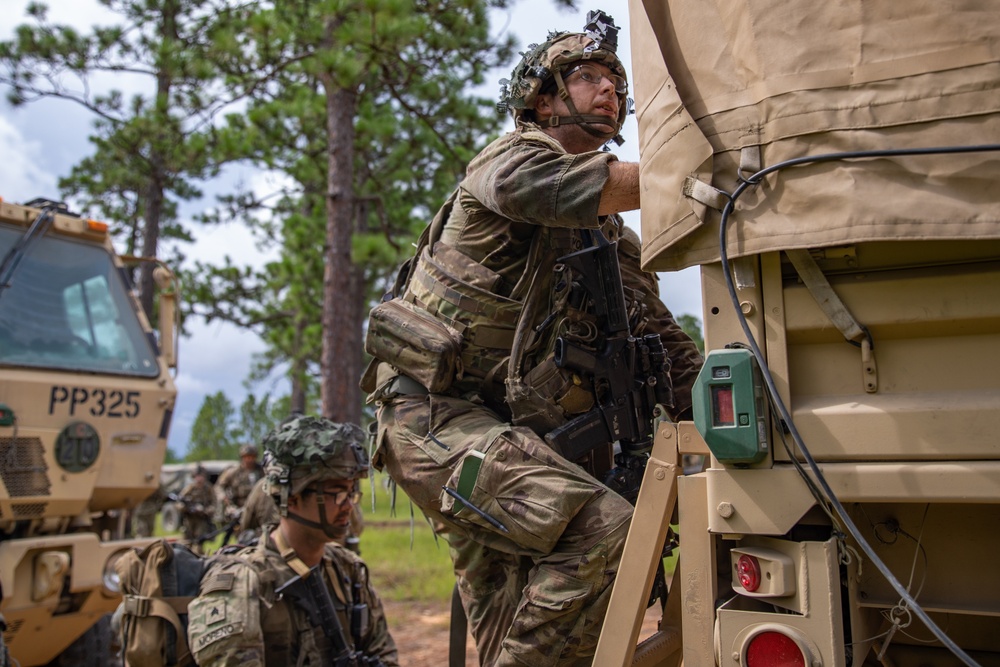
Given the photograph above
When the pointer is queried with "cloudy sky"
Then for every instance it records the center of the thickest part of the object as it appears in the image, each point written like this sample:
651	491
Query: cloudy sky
42	141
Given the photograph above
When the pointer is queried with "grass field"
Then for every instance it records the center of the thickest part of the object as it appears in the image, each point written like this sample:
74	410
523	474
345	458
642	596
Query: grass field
406	562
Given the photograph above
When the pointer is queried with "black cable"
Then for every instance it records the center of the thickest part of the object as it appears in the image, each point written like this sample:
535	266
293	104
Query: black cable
746	183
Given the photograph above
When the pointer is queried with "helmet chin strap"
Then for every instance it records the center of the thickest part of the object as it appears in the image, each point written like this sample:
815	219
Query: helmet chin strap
331	531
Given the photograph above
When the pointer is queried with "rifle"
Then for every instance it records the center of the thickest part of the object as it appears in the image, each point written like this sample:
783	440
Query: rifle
312	596
630	375
189	506
228	529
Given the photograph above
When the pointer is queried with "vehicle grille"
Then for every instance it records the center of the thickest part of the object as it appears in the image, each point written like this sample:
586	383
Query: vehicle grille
22	467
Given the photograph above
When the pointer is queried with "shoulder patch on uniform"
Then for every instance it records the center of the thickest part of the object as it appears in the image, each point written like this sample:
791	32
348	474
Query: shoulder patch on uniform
216	612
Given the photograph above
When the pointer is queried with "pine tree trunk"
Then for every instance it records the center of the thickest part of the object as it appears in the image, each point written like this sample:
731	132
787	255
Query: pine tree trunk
340	360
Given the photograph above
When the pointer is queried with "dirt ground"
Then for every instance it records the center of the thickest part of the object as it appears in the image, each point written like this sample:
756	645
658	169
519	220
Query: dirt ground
421	633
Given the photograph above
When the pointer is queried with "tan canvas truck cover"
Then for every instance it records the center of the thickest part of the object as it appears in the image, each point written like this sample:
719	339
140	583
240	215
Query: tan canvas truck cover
725	81
897	254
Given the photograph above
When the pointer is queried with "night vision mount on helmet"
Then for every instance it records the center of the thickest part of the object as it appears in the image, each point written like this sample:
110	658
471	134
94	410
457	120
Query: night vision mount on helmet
544	64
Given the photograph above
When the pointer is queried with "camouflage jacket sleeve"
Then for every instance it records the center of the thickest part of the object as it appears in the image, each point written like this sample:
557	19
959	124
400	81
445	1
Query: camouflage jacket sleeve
685	359
376	642
225	481
203	495
224	627
526	176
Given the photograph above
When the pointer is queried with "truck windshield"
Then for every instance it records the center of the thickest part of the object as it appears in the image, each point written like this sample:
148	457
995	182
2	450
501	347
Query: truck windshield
67	308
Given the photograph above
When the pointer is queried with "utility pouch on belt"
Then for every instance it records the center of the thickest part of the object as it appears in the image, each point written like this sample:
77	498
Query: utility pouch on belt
418	345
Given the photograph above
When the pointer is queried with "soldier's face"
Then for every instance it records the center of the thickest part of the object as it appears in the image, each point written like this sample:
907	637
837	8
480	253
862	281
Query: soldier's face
338	499
592	89
249	461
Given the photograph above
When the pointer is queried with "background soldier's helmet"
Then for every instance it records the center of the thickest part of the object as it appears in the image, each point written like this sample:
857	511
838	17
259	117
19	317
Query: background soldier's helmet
544	64
305	450
248	450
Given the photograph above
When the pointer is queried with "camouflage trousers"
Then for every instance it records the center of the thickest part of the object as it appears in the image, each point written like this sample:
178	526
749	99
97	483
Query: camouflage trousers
537	589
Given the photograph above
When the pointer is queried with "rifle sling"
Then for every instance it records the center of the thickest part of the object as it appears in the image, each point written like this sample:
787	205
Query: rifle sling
288	553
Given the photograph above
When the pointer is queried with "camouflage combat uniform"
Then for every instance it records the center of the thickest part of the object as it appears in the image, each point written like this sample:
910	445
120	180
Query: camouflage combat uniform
535	593
235	484
237	619
538	544
198	511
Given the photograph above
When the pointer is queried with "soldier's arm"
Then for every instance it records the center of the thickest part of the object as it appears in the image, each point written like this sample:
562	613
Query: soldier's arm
621	191
224	628
224	487
535	183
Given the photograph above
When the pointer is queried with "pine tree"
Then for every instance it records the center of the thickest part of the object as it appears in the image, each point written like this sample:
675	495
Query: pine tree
377	126
212	432
152	147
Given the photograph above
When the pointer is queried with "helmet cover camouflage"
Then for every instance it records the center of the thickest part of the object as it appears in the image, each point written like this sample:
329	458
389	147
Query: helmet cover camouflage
305	450
541	62
248	450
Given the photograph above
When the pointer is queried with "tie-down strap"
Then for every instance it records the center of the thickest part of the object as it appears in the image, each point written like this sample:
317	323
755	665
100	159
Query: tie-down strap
831	305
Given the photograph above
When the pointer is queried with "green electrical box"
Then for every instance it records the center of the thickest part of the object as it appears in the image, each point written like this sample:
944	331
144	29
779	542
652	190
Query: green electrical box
730	407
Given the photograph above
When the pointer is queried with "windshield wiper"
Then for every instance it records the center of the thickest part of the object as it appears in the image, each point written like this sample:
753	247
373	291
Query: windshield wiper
38	227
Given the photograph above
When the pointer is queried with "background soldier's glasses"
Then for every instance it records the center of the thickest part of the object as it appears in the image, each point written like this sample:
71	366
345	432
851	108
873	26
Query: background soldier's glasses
591	74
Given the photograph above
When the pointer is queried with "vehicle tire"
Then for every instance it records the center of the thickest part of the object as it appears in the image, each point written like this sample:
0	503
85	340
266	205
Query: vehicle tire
97	647
170	518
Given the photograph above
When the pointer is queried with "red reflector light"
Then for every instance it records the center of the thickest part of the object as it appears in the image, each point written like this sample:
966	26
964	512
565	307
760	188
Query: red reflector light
773	649
748	572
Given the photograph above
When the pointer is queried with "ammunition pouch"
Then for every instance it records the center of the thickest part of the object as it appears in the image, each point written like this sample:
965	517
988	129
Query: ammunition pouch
415	343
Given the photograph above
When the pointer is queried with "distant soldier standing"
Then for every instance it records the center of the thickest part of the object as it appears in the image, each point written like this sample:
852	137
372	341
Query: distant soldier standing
198	498
144	515
235	483
296	598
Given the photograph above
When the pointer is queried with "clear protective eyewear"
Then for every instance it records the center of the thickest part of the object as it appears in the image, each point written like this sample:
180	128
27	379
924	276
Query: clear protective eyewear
591	74
339	497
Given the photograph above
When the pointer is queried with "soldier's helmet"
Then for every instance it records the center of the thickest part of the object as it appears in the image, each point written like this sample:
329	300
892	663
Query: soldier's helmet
544	65
305	450
248	450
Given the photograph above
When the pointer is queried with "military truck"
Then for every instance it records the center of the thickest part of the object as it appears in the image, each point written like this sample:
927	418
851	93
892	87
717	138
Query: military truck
832	168
86	397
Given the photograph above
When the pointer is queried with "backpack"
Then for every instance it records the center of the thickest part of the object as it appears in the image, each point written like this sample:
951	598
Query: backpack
157	584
